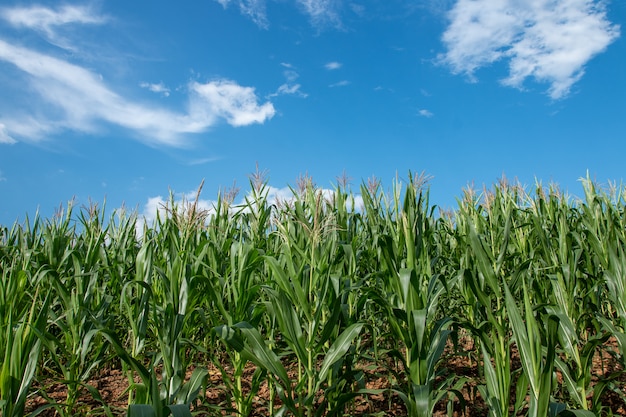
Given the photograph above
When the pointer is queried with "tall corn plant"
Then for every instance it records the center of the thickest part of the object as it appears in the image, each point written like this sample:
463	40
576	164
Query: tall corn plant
484	232
175	295
605	231
305	302
233	289
563	284
80	305
537	349
409	296
23	315
135	307
306	307
161	304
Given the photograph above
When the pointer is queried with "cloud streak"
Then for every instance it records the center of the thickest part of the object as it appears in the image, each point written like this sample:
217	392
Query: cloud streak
4	135
255	10
156	88
289	87
545	40
47	21
321	13
341	83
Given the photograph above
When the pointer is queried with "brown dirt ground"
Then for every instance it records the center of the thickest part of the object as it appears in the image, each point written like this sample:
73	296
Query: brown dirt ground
112	386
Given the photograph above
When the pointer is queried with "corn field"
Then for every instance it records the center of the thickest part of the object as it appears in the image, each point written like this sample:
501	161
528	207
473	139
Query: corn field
513	304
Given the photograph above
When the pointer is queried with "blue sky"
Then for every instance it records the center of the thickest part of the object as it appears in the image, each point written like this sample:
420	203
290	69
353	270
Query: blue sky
122	101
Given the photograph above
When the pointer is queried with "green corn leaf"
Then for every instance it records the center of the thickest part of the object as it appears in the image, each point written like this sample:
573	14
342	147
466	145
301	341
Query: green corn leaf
339	348
141	410
190	390
260	354
179	410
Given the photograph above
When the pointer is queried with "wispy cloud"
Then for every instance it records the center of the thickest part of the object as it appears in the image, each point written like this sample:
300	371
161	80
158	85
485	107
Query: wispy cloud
4	135
333	65
255	10
290	87
425	113
202	161
2	177
321	13
341	83
47	21
548	40
156	88
67	96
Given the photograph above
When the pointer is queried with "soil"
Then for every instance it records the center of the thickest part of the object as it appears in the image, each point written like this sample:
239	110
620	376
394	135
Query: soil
112	385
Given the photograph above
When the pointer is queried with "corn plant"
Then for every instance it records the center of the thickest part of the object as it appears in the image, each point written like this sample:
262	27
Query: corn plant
235	295
409	297
80	306
604	223
135	301
559	262
174	299
150	398
485	264
537	352
21	331
165	287
304	301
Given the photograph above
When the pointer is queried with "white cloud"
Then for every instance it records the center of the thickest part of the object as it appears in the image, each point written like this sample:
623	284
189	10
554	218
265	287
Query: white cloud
333	66
548	40
291	75
321	12
230	101
253	9
289	88
84	100
156	88
358	9
425	113
4	136
47	21
2	177
341	83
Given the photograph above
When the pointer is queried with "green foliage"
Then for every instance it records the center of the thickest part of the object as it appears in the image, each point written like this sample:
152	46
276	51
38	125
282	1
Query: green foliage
309	293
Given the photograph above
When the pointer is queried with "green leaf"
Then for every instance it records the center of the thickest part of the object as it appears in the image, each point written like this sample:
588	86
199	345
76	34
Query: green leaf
260	354
141	410
339	348
576	413
180	410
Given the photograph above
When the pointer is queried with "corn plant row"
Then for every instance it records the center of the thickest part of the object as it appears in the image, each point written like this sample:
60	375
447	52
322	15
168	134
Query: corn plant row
315	291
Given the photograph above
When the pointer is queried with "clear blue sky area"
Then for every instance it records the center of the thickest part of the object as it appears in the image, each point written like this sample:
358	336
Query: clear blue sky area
124	101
